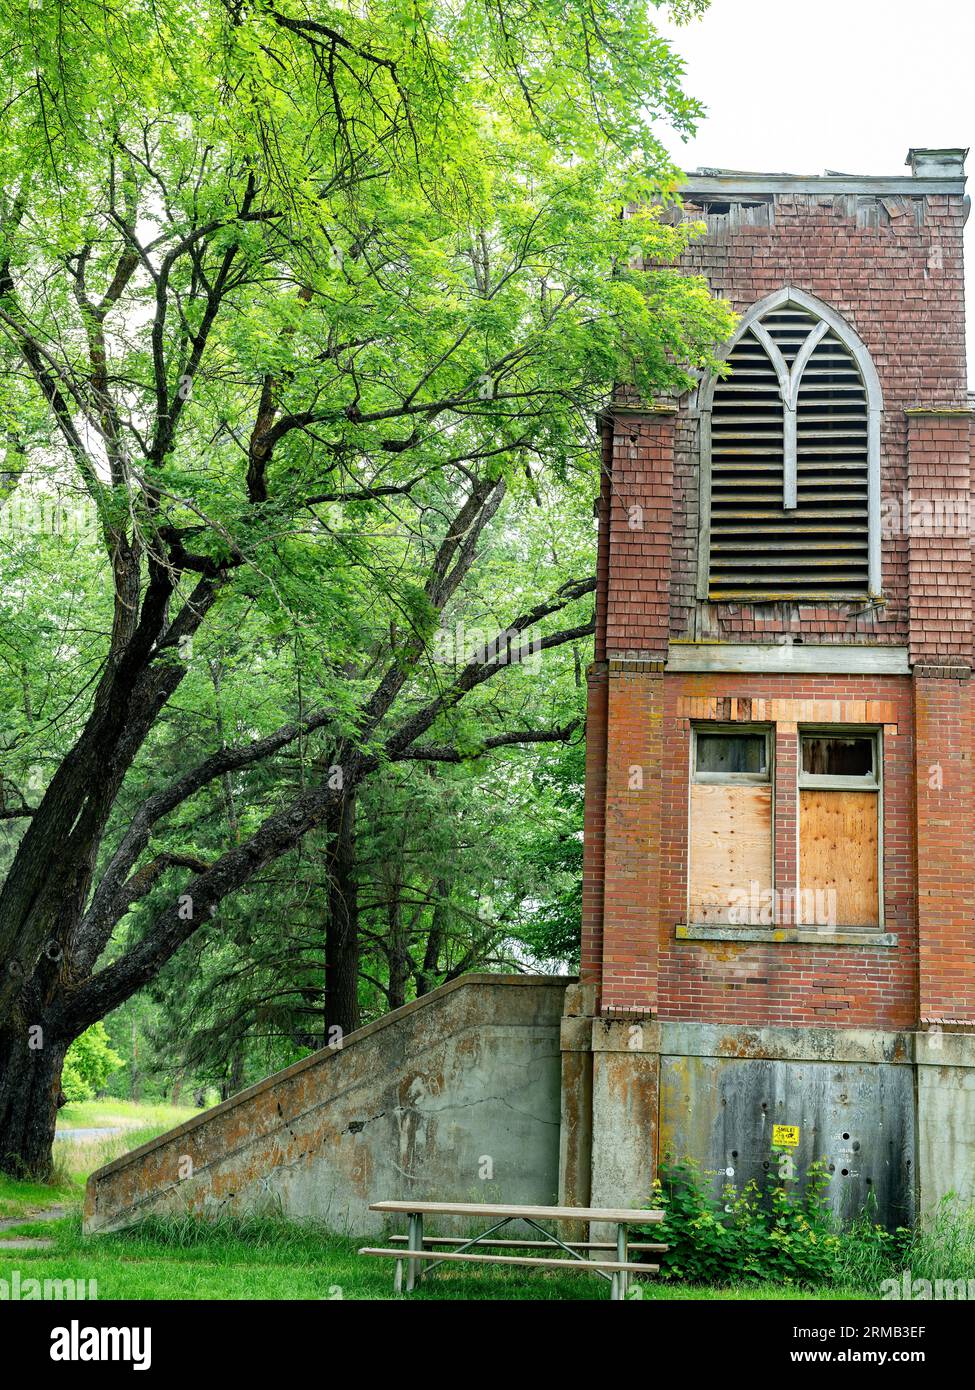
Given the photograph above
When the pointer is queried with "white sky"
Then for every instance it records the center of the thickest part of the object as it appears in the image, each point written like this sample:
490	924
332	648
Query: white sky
831	84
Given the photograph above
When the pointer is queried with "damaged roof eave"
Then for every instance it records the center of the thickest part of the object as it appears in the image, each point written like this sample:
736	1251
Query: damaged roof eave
732	183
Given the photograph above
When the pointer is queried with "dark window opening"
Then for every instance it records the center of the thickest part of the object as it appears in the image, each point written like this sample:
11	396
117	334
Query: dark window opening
721	207
837	757
719	753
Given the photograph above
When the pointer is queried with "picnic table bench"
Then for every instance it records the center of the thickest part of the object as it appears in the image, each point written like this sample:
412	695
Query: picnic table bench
416	1250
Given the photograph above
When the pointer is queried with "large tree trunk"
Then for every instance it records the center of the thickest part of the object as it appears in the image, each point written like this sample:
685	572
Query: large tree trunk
234	1082
30	1094
342	931
397	951
426	976
49	880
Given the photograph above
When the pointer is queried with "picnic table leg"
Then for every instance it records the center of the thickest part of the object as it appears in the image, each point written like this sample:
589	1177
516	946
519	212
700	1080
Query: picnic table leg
621	1255
414	1242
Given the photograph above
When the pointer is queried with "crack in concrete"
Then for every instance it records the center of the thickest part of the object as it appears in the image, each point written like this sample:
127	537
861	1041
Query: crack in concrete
357	1126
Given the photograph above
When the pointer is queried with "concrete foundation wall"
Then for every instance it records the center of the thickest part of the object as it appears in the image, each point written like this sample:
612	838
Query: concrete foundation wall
945	1118
476	1092
890	1114
848	1097
453	1097
857	1121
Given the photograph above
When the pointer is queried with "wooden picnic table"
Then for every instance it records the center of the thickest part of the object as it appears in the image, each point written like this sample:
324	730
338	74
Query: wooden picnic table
433	1250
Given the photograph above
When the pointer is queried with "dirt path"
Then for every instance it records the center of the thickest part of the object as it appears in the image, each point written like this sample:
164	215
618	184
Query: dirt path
80	1134
30	1219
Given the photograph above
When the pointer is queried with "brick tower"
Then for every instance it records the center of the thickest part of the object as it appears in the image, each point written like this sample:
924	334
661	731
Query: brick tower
778	938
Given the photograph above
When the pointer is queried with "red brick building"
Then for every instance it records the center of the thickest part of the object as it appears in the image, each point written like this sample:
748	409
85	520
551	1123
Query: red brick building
780	857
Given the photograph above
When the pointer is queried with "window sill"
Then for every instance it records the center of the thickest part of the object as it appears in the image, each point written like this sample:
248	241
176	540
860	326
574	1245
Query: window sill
805	936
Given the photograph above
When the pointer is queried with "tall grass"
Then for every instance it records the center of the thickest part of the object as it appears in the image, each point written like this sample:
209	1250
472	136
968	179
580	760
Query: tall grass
939	1247
109	1112
269	1258
74	1159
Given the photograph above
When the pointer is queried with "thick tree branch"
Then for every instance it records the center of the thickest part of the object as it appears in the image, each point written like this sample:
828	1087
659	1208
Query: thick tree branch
280	832
141	882
452	561
110	900
432	753
477	672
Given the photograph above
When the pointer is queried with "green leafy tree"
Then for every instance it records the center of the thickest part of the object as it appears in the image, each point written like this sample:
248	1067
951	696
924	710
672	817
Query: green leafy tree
88	1063
298	313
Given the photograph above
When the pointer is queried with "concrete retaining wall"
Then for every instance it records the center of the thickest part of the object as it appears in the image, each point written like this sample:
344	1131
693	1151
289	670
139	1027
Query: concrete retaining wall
945	1118
453	1097
457	1097
715	1094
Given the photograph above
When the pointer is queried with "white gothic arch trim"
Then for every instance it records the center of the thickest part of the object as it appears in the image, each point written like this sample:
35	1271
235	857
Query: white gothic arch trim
828	319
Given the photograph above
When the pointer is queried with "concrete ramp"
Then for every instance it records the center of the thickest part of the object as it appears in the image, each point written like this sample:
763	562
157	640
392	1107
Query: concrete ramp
453	1097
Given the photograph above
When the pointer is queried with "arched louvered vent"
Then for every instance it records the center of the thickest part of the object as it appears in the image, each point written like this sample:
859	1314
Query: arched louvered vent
789	475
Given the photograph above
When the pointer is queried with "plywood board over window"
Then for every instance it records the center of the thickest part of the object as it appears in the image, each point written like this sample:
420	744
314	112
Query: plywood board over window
730	853
838	858
839	828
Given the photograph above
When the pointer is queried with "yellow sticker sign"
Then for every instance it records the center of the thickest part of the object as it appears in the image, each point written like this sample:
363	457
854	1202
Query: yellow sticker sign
786	1135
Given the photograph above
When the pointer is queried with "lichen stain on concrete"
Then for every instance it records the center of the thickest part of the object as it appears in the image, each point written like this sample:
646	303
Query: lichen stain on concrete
620	1081
360	1171
741	1044
416	1130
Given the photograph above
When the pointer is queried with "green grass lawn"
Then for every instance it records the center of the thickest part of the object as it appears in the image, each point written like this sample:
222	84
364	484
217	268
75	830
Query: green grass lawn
127	1114
255	1258
276	1260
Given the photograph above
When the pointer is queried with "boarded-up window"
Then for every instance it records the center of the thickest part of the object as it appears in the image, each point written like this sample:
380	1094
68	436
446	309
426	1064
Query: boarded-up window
839	831
730	880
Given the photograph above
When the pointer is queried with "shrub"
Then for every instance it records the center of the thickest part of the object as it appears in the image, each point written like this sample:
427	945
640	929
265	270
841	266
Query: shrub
788	1234
785	1234
89	1062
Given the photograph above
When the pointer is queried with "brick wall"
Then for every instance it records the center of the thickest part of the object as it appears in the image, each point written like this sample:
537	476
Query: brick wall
779	983
939	543
940	630
634	783
593	851
640	523
900	286
898	281
645	968
945	848
594	827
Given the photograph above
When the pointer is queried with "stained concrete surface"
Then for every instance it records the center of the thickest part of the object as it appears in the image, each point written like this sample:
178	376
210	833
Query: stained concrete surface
856	1120
453	1097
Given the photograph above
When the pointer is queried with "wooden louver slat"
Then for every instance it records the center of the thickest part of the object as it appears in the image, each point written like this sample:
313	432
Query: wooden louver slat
818	548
